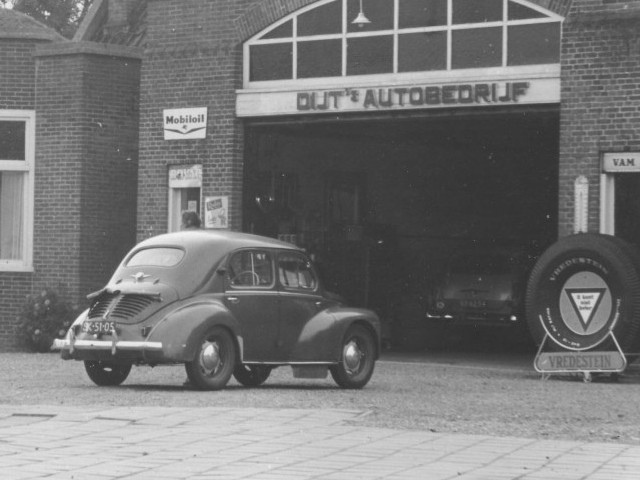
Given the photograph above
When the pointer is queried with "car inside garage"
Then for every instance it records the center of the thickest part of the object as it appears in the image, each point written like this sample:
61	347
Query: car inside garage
381	202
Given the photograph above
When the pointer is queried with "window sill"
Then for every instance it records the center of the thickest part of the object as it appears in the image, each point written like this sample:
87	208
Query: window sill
13	268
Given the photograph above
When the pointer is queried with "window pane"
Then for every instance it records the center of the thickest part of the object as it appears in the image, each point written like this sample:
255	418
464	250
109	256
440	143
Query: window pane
12	140
534	44
520	12
156	257
283	31
320	59
477	48
369	55
379	12
422	13
250	269
271	62
11	215
296	272
475	11
422	51
322	20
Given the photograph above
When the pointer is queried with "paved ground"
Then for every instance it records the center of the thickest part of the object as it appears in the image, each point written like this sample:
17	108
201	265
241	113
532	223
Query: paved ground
56	442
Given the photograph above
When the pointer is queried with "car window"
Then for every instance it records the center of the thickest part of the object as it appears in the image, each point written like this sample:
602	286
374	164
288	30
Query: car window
251	268
296	272
156	257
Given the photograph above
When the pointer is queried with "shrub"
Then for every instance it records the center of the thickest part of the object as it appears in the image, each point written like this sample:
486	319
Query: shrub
45	317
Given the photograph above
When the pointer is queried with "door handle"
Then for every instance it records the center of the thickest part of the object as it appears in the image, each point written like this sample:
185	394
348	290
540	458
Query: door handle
233	299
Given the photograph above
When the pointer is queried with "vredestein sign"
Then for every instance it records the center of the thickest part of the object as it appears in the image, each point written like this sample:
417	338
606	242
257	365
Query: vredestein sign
401	97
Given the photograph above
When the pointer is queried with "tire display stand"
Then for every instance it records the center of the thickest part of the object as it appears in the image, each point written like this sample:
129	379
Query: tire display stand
587	363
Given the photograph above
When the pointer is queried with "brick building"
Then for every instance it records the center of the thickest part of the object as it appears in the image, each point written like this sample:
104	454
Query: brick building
68	163
378	146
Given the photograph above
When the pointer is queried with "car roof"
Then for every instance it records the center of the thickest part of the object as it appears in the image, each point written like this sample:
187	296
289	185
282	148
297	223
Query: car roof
224	240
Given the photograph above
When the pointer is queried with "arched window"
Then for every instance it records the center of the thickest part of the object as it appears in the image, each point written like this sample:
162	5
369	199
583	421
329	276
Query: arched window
403	37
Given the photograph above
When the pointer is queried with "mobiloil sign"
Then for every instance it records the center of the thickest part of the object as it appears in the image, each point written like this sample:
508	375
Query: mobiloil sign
185	123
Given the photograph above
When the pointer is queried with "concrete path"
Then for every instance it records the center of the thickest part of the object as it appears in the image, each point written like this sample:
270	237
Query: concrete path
59	442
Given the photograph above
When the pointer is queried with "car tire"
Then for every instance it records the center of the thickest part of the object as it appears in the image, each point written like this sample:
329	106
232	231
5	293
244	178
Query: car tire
581	288
214	361
358	358
251	375
106	374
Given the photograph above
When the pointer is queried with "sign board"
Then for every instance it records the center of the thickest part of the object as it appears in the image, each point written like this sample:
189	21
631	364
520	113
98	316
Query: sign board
185	176
185	123
621	162
606	361
378	98
216	212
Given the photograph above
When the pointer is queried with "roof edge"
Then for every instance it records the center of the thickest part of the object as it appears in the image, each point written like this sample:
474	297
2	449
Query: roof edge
46	33
88	48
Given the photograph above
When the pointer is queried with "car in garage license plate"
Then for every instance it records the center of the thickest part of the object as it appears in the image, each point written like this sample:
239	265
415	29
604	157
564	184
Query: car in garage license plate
98	327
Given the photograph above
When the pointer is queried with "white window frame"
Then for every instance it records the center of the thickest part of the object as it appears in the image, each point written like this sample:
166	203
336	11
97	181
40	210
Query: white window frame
395	77
28	167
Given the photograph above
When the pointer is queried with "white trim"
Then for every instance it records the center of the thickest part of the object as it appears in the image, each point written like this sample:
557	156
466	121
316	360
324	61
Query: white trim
542	87
607	203
28	167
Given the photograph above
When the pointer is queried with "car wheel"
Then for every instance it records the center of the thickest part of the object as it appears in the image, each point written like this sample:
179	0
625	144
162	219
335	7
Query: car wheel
214	361
106	374
251	375
358	359
583	287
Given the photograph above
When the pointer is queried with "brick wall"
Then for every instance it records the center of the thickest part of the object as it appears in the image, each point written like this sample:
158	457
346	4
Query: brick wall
17	92
194	58
17	75
86	159
600	101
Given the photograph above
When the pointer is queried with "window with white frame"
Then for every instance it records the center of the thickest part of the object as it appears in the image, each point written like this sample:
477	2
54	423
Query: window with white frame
17	141
403	36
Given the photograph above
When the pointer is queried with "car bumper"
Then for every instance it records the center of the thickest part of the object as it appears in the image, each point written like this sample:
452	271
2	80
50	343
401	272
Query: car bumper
82	349
475	318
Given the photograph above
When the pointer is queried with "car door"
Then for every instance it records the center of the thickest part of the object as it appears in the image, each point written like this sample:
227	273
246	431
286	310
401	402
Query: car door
300	302
251	296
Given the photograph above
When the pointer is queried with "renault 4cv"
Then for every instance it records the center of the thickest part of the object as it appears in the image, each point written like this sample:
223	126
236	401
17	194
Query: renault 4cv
222	304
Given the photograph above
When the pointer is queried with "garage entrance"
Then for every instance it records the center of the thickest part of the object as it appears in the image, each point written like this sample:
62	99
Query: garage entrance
382	146
381	203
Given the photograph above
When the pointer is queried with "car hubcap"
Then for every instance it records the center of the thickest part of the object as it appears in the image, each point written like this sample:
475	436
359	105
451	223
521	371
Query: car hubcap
210	357
352	356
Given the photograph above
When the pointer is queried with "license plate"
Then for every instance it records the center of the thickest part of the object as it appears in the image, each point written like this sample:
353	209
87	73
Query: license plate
473	303
98	327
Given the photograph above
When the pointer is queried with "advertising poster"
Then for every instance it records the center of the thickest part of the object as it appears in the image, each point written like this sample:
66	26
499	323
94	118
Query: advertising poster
216	212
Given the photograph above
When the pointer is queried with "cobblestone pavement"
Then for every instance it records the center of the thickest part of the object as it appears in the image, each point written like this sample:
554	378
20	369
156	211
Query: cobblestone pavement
103	443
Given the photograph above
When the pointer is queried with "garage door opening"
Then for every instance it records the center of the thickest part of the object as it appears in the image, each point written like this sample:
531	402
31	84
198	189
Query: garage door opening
381	204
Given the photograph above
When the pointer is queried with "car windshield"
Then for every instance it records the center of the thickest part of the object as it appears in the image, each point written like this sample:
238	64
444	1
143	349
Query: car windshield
156	257
482	264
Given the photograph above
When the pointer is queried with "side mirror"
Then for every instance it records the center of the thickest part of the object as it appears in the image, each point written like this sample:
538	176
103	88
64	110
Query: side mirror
221	271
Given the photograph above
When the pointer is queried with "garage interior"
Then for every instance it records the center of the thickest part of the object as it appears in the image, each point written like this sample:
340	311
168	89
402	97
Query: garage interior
380	203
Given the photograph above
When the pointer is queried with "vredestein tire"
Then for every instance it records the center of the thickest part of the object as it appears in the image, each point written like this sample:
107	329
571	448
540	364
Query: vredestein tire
580	288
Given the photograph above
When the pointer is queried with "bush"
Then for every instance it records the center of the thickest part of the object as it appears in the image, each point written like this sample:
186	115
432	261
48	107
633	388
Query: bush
45	317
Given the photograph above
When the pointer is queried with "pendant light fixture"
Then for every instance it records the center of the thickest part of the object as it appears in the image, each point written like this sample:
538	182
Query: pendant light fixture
361	20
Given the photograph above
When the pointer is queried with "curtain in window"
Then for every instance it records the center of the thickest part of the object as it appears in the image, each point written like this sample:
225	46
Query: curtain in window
11	215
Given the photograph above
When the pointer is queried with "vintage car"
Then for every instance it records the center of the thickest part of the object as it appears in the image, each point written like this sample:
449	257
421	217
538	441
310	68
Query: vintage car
222	304
482	287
